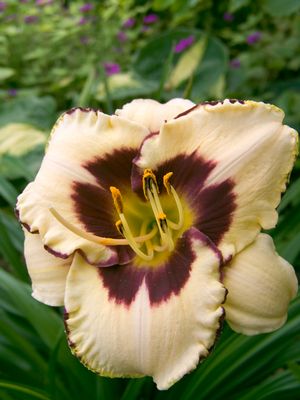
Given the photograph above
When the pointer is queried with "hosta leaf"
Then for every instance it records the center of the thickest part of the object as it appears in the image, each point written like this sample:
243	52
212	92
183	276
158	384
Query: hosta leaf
18	139
187	64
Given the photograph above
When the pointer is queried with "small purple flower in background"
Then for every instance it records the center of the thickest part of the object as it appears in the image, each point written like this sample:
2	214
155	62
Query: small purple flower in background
184	43
235	63
83	21
145	28
111	68
30	19
86	7
129	23
84	40
12	92
121	36
150	19
2	6
254	37
227	16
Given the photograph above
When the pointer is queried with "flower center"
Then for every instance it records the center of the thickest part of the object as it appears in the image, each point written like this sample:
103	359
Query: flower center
148	228
160	238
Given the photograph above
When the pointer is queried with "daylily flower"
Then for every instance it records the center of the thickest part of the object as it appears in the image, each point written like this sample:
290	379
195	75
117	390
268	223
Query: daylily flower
141	222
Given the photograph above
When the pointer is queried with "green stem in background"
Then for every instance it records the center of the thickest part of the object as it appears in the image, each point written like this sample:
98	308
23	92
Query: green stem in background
52	367
86	93
23	389
189	86
134	389
11	254
109	103
165	74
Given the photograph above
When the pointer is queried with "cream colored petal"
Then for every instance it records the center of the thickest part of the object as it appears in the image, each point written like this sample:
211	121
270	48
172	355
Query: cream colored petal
250	149
260	286
48	273
164	339
78	138
151	113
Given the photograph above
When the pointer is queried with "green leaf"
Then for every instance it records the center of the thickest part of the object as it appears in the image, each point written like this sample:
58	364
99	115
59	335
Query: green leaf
159	5
134	389
18	139
209	79
8	192
25	167
45	321
187	64
148	61
6	73
292	249
235	5
125	85
37	111
16	387
19	342
292	196
10	254
279	8
209	73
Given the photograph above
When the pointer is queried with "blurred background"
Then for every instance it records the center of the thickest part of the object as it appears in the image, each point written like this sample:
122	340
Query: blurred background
55	55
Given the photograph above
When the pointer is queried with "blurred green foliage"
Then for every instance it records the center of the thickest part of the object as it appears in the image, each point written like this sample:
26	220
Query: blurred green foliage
55	56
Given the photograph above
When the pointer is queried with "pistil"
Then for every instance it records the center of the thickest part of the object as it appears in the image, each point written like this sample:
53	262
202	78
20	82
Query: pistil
106	241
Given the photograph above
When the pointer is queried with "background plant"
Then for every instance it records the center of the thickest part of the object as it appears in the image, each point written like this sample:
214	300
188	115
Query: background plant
58	54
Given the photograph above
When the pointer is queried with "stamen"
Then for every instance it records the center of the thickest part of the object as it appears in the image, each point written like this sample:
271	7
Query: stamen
123	227
98	239
150	249
179	224
119	226
132	243
166	179
165	233
148	179
170	190
162	218
117	199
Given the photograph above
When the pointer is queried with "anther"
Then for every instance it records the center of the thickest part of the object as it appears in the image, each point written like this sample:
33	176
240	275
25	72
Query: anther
162	218
119	227
117	199
166	181
149	179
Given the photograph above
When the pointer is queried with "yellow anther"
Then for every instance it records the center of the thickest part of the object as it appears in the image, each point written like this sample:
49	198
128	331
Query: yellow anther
119	226
162	218
117	199
166	181
149	179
